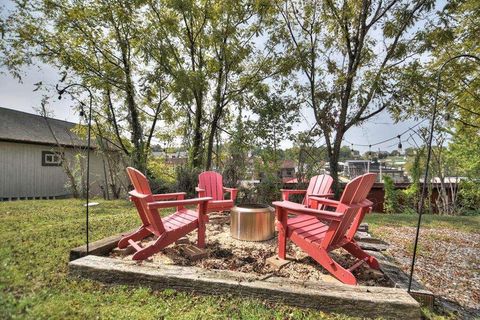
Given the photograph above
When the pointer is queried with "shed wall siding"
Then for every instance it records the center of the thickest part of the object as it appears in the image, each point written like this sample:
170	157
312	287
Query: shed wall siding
22	173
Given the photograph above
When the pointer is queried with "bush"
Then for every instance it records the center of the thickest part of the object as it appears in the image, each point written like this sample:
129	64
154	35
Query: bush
268	190
161	176
246	195
391	196
469	197
186	179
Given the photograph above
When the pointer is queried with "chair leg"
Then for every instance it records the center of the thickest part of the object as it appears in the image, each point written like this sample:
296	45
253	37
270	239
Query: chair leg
201	234
282	232
146	252
336	270
357	252
282	244
138	235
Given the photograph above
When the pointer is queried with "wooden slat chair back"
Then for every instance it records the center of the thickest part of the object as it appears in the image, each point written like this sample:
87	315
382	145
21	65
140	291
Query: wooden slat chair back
318	232
356	191
210	184
168	229
320	186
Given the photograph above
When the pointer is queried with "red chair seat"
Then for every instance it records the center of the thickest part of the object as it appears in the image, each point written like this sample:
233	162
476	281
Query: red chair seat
307	227
184	218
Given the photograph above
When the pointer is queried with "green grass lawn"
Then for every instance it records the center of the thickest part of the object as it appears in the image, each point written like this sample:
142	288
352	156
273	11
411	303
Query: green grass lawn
36	237
461	223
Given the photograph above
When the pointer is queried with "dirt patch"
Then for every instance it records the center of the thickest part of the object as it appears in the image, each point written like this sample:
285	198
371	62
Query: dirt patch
227	253
448	261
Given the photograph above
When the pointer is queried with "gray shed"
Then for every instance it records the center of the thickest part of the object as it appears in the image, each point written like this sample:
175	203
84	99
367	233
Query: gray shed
34	152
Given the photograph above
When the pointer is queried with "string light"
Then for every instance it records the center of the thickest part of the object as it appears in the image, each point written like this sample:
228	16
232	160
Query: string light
399	143
386	140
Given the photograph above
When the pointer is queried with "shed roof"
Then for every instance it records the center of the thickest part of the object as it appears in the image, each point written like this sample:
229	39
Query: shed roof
18	126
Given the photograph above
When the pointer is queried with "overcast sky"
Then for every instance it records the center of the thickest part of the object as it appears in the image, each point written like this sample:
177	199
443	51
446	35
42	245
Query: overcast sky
20	96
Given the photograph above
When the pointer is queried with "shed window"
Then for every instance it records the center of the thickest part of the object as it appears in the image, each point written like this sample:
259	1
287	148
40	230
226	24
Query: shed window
51	159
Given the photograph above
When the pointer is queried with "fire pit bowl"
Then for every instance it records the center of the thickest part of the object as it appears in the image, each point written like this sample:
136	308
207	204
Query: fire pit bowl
252	222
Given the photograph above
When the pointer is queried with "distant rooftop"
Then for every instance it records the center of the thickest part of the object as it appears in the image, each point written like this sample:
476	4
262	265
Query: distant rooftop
18	126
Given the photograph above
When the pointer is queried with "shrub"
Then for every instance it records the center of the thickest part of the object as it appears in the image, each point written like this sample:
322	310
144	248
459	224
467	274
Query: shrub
391	196
186	179
268	190
469	197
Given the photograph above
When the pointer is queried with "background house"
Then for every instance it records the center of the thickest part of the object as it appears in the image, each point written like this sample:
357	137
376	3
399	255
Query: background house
288	171
355	168
31	151
175	158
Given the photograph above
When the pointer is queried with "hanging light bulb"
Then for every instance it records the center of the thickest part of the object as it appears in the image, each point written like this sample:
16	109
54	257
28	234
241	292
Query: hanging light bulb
369	150
399	143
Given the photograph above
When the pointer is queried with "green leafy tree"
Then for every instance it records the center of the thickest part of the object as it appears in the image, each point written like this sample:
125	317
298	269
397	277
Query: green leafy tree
235	168
339	57
208	49
95	44
452	33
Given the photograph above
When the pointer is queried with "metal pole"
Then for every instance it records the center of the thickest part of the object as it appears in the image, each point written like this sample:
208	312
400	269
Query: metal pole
60	93
429	152
88	167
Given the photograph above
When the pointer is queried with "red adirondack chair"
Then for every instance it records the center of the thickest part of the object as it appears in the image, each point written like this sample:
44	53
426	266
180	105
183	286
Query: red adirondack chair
318	232
210	184
320	186
168	229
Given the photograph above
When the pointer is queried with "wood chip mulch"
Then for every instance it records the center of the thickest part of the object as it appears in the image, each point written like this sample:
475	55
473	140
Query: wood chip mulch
448	261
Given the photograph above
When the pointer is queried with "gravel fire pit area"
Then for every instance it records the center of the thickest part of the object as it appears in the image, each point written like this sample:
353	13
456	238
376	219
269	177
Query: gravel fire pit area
223	252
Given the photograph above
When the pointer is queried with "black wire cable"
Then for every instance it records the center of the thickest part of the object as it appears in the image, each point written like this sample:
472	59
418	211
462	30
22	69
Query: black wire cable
386	140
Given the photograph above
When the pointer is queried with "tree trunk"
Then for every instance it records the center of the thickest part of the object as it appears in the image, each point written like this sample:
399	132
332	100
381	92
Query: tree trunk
211	135
197	136
333	159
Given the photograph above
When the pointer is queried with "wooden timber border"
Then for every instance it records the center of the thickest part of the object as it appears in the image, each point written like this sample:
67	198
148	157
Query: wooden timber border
360	301
400	280
101	247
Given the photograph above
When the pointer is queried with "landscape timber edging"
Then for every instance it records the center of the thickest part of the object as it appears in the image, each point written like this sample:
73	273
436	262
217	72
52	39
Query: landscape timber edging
100	247
400	279
360	301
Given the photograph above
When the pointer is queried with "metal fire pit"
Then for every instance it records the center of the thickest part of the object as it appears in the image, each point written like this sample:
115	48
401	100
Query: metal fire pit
252	222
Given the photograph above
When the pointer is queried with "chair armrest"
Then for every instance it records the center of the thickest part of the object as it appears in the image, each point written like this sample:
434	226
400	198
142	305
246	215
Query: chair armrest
295	208
201	192
165	196
366	203
325	201
176	203
325	195
136	194
232	191
287	192
293	191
